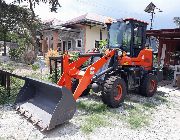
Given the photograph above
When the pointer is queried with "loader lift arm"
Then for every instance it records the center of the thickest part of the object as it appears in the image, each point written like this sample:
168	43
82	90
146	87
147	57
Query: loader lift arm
71	70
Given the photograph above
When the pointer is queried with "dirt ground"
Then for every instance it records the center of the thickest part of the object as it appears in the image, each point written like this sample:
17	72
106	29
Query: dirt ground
164	121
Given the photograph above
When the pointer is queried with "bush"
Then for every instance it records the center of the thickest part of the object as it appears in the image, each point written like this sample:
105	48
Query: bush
52	77
16	85
16	53
35	66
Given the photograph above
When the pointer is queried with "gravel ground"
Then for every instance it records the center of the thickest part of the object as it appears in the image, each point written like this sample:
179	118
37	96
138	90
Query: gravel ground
164	123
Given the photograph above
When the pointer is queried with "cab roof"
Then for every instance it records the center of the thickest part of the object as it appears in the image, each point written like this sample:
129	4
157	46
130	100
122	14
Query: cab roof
135	20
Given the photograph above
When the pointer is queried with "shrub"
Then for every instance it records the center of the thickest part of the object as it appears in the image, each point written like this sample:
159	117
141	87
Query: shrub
35	66
52	77
16	53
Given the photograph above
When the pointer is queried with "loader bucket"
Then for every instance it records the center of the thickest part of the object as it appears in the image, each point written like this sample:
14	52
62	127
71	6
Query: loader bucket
46	105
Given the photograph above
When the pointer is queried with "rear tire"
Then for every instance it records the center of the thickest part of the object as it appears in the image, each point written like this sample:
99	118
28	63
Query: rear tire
114	91
74	86
148	85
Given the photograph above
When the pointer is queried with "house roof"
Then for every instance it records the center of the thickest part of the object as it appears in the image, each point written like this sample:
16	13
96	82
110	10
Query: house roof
88	18
168	33
52	21
58	27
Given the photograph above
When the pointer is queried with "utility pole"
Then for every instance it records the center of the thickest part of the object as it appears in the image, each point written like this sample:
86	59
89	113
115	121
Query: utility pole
151	8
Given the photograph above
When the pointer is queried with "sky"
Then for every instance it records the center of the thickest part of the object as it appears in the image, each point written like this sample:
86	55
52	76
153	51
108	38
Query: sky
115	9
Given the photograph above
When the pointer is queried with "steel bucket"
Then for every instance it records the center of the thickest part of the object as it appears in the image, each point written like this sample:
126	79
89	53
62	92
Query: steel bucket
46	105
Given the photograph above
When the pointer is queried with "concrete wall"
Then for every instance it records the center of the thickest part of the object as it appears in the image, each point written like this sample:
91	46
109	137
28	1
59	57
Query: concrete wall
47	40
73	37
92	35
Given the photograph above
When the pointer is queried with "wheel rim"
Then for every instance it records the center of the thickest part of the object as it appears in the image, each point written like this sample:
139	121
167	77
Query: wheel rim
119	93
152	85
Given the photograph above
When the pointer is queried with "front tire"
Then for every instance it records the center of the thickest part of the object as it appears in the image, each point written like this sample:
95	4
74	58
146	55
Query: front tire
148	85
114	91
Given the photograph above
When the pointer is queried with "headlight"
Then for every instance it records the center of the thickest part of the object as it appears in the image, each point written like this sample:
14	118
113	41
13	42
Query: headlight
119	52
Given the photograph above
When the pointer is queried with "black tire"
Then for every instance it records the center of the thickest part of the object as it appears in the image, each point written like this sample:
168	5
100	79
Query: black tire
114	91
148	85
74	86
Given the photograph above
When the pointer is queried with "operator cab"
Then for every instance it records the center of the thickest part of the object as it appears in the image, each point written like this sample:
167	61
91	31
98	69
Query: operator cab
128	35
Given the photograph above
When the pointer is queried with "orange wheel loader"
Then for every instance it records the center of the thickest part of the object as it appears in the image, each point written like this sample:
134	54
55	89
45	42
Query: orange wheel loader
125	65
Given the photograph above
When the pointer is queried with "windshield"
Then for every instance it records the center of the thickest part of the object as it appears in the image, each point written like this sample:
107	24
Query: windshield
120	35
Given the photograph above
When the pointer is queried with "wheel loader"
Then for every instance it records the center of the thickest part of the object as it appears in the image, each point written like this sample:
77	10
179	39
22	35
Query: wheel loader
126	64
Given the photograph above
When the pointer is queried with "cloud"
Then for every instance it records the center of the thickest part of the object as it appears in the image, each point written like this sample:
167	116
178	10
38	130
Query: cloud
114	8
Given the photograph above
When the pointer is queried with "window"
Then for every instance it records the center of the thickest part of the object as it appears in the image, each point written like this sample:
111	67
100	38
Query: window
69	44
59	46
120	35
96	44
64	46
138	33
79	43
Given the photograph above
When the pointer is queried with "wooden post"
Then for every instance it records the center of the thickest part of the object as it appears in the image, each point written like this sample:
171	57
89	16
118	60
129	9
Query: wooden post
56	70
50	65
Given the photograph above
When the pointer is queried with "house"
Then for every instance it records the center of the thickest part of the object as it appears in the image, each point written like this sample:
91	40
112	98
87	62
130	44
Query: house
169	46
54	36
82	33
168	52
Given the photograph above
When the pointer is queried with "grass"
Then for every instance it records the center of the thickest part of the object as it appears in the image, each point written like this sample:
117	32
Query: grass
92	122
95	117
92	106
39	76
149	105
137	118
16	84
3	95
162	99
138	115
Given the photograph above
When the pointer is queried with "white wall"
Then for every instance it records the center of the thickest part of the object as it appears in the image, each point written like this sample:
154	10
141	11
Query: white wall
93	34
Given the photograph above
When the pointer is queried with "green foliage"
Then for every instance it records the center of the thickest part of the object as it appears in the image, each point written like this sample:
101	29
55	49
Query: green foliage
137	118
92	122
161	99
96	115
35	66
74	56
39	76
54	4
52	78
149	105
7	66
92	106
177	21
16	84
16	54
102	44
20	21
3	95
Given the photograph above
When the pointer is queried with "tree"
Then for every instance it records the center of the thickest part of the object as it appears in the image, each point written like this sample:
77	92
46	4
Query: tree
9	18
31	25
19	20
54	4
177	21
